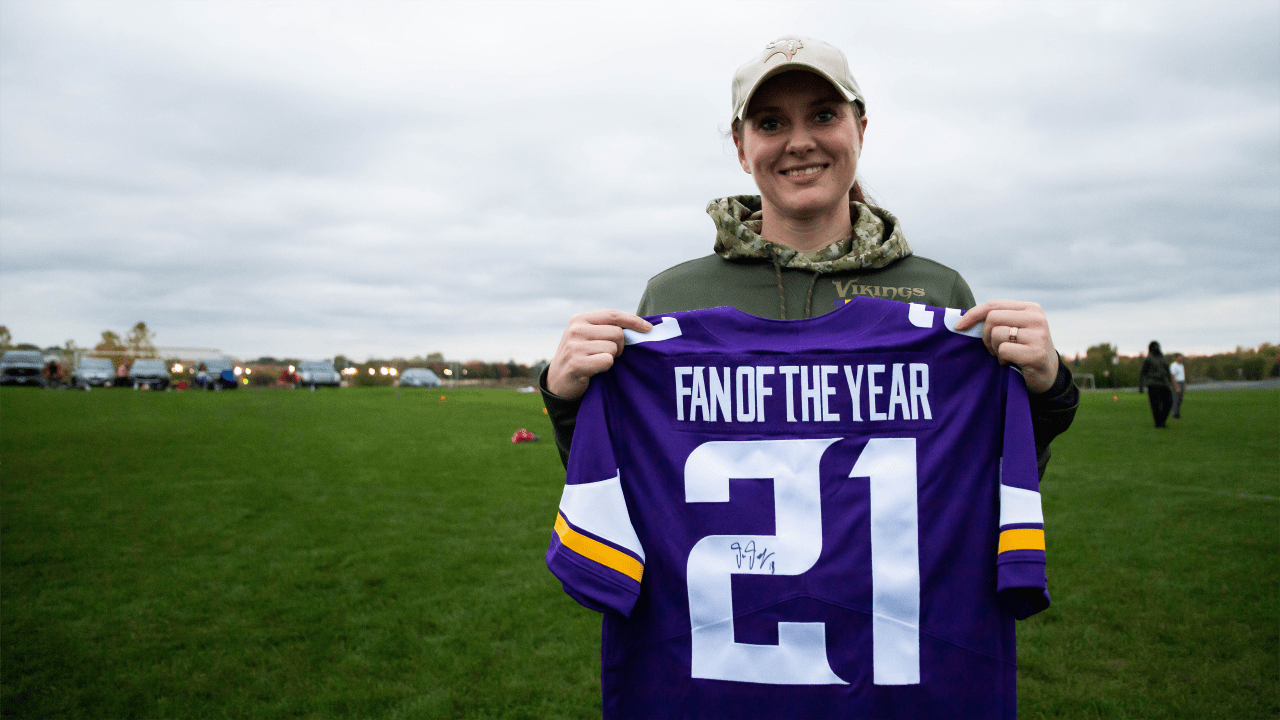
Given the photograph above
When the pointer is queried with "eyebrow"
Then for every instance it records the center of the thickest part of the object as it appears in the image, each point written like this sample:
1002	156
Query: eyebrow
828	100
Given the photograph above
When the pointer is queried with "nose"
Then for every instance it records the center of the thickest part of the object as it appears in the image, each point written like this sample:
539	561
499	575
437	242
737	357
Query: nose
800	140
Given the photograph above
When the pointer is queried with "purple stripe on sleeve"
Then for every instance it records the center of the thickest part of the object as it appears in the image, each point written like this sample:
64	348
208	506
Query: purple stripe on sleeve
1022	526
593	585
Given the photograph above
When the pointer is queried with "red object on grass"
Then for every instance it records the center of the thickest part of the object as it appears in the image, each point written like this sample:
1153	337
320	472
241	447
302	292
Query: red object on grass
522	435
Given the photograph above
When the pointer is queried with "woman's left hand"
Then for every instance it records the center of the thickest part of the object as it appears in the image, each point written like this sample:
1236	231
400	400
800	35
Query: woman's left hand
1018	333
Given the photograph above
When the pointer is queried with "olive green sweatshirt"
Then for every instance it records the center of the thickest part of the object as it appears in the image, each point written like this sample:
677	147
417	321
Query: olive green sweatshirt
767	280
774	281
760	288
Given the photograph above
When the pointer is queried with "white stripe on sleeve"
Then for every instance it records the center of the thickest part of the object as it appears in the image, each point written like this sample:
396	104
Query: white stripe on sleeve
599	508
1019	506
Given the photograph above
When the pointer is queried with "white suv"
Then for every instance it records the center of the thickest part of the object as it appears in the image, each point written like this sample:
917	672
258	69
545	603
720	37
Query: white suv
315	373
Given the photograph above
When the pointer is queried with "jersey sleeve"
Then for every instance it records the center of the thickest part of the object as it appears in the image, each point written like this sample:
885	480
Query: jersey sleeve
1021	582
594	550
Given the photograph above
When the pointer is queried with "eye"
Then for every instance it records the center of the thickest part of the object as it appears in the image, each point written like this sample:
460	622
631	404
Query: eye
769	124
825	115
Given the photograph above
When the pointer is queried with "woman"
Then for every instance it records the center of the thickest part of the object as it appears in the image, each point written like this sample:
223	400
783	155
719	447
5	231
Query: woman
808	243
1155	377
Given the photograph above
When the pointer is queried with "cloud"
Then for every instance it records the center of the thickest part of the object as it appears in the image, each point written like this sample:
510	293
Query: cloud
1192	323
304	179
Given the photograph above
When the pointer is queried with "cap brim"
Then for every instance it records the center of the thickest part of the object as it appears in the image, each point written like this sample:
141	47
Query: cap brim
771	73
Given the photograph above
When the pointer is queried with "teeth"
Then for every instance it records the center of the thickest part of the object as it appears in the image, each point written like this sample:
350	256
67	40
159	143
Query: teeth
805	171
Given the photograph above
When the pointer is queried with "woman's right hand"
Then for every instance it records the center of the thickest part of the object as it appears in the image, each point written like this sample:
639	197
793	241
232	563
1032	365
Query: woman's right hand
589	345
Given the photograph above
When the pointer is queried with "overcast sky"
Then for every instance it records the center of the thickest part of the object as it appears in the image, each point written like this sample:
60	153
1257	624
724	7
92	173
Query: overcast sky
382	179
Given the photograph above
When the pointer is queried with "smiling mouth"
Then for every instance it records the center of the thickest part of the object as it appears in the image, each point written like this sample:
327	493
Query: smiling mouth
805	171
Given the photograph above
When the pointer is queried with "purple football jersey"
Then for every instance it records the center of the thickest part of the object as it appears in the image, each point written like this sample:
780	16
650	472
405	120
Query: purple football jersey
832	517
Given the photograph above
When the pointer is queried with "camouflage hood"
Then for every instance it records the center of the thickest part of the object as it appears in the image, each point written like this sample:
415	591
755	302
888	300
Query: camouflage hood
875	241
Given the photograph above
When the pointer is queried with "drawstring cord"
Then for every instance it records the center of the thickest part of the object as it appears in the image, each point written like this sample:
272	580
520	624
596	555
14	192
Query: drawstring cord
808	299
782	293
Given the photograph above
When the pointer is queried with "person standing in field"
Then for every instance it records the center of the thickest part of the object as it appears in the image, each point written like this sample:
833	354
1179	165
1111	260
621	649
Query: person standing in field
1155	378
1179	374
810	242
51	374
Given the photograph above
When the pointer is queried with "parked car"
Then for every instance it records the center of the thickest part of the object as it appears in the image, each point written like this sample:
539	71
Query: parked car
218	374
419	377
149	374
316	373
22	367
94	371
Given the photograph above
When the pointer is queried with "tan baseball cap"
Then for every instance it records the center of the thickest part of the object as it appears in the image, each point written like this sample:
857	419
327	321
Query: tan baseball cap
792	52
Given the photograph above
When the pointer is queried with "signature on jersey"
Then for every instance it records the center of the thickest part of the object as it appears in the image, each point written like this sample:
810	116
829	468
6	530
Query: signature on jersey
753	558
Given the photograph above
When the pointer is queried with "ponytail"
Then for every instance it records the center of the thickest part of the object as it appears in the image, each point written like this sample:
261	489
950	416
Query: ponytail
856	193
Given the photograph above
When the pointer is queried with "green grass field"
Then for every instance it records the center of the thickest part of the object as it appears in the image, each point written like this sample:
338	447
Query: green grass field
359	553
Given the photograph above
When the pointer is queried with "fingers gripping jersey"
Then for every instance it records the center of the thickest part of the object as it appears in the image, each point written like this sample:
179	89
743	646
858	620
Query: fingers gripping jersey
834	517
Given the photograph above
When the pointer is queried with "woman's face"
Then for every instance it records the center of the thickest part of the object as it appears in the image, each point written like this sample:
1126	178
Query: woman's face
800	140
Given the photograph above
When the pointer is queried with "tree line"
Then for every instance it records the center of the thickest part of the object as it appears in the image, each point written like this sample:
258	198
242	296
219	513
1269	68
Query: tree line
138	342
1103	361
1112	370
268	370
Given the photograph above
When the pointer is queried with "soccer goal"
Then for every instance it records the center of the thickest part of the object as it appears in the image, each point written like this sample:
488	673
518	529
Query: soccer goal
1085	381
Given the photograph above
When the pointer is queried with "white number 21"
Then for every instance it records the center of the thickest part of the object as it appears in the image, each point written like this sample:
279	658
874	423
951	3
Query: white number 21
800	657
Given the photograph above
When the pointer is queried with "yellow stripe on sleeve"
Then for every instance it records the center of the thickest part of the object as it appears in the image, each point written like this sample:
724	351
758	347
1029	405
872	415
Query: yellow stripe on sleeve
598	551
1022	539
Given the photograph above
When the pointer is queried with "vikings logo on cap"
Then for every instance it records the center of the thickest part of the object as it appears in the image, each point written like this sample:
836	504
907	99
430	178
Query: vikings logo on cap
785	46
